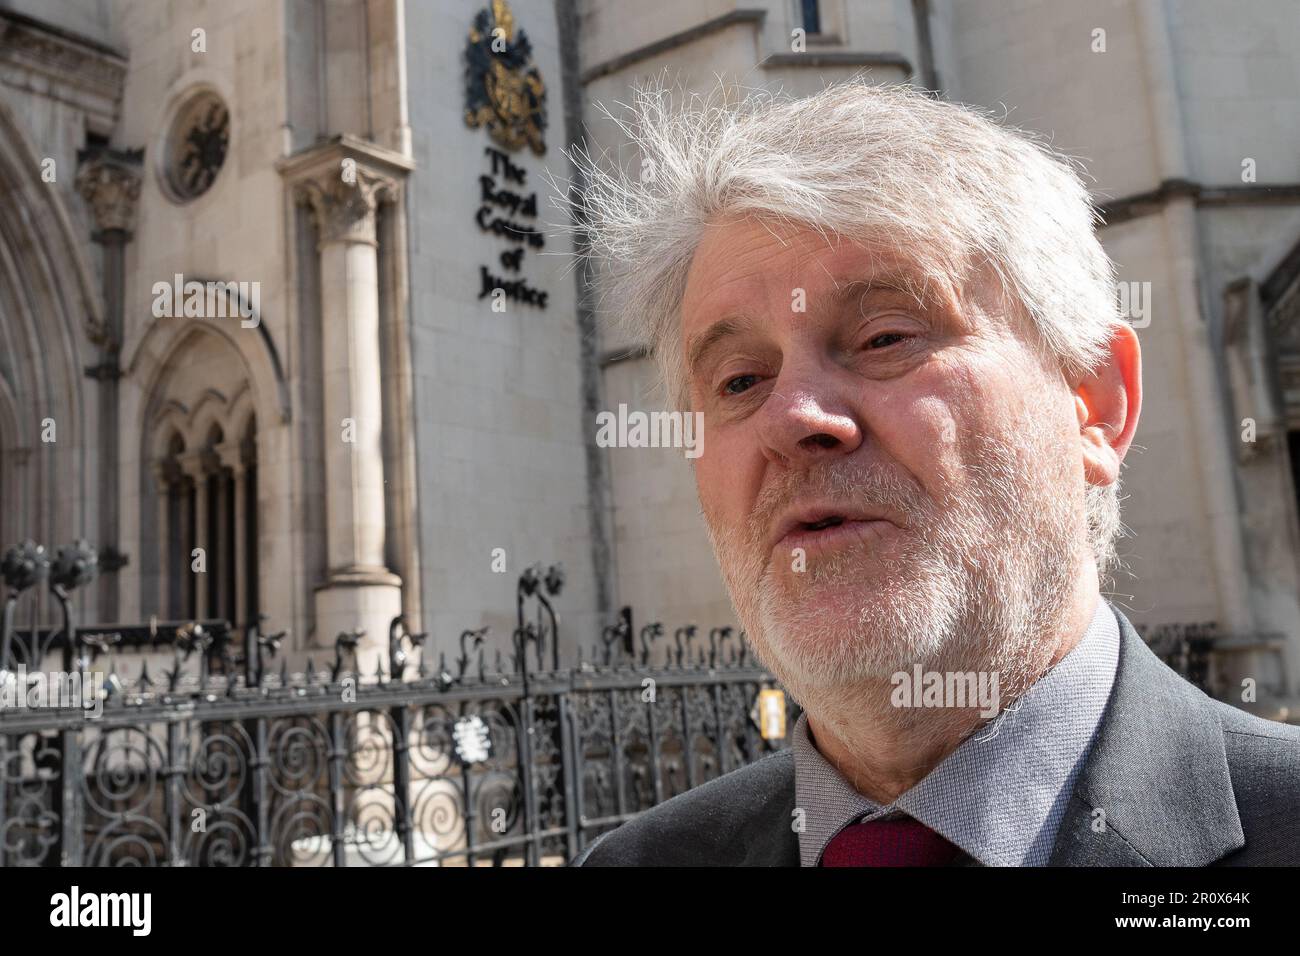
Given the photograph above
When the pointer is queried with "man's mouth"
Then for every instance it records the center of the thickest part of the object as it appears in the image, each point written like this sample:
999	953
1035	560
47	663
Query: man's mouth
816	530
830	522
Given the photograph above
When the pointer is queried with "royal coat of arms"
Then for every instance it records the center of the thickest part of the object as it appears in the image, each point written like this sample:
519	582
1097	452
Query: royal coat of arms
503	88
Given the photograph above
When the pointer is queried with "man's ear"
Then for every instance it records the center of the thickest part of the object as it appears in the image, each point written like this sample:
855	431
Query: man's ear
1108	403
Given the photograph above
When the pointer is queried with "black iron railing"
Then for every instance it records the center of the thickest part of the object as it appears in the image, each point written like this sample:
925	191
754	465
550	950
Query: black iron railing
226	760
223	758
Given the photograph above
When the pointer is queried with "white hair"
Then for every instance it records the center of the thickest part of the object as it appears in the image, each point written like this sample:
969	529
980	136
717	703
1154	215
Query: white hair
965	196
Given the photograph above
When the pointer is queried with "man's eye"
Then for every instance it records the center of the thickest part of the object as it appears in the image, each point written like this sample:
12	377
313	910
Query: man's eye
739	384
885	339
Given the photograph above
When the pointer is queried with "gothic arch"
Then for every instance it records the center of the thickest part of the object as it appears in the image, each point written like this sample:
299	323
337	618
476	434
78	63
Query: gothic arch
170	419
164	338
48	311
211	411
202	390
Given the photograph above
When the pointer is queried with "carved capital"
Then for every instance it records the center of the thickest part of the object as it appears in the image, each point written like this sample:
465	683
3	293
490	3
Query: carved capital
345	211
165	473
112	188
198	464
231	455
343	181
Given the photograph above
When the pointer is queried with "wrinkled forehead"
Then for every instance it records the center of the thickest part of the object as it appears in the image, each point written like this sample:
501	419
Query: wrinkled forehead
755	265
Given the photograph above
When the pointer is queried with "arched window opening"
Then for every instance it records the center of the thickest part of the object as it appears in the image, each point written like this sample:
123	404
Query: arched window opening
207	498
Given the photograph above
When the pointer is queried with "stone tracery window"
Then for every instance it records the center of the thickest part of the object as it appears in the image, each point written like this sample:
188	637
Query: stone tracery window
196	146
207	499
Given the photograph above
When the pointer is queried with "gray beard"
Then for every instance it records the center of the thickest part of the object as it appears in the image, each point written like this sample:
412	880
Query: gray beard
975	584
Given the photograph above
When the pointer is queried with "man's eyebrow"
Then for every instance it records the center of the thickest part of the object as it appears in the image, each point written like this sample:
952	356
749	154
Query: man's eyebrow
856	289
714	334
844	294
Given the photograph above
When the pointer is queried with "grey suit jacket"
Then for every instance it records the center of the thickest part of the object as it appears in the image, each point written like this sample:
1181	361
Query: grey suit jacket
1183	780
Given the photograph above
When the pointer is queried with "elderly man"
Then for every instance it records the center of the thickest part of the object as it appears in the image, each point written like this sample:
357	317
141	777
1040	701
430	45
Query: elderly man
902	333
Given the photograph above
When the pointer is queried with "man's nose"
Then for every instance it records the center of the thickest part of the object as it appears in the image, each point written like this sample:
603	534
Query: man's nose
807	419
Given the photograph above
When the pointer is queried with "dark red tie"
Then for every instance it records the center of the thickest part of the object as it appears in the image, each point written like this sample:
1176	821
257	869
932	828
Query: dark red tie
899	842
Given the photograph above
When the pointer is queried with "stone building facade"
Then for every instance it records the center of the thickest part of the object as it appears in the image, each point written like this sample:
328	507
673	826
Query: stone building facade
343	426
385	402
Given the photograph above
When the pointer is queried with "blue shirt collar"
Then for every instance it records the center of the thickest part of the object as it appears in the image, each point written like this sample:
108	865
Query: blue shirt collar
1001	795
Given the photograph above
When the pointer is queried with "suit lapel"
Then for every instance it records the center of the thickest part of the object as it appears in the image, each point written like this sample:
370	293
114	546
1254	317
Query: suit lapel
769	839
1155	790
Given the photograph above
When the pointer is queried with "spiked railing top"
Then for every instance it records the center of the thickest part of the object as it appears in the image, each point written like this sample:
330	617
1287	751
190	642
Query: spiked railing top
24	565
76	565
222	673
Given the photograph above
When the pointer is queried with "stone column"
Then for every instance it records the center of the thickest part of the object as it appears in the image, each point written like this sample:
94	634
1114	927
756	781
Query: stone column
186	526
162	481
343	182
233	459
109	182
198	466
219	594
